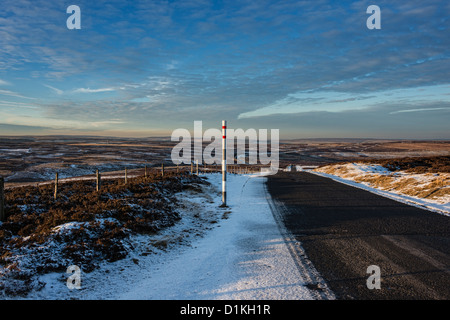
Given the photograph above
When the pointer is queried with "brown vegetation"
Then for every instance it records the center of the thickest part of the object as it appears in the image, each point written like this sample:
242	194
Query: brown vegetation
421	177
82	227
438	164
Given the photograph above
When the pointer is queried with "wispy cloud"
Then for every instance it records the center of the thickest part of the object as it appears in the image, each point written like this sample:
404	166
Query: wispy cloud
167	62
111	122
13	105
13	94
56	90
89	90
417	110
333	101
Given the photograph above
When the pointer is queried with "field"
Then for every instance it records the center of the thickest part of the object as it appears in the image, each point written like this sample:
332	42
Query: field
312	152
33	159
38	158
86	227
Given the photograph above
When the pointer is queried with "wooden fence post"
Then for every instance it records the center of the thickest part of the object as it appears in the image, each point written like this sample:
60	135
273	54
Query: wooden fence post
2	200
99	181
145	171
197	167
56	186
126	178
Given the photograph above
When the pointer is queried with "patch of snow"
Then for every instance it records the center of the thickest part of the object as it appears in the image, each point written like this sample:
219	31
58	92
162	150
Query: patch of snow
16	150
354	170
68	226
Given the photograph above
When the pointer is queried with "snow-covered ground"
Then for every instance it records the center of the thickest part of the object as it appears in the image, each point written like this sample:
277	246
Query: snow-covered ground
425	190
238	252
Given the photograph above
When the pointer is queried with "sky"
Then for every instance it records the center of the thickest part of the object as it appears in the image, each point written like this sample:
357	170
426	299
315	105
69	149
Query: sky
312	69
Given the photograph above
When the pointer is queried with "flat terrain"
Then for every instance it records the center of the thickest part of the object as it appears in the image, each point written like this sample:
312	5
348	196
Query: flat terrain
344	230
32	159
37	158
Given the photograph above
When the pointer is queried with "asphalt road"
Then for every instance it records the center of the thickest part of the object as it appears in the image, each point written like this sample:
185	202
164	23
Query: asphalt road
344	230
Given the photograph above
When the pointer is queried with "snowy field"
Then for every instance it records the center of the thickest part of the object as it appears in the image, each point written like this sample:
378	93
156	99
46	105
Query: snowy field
236	253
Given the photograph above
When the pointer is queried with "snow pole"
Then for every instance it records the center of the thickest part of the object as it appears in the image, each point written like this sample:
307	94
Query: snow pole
224	163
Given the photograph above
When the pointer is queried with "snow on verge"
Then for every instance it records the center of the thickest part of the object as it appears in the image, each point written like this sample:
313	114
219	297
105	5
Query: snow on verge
238	253
397	185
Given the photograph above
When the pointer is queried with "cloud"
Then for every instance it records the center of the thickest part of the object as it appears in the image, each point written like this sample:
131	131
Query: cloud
107	123
13	105
13	94
14	129
380	121
88	90
333	101
57	91
416	110
171	61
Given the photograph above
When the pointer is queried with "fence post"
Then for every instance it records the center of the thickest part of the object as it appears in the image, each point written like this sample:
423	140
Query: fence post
197	167
2	200
224	163
145	171
126	176
56	186
99	182
162	170
192	167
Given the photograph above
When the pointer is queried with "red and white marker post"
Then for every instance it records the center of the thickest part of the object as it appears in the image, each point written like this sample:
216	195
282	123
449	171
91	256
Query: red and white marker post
224	163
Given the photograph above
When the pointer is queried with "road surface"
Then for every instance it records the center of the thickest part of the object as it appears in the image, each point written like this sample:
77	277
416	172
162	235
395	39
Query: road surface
344	230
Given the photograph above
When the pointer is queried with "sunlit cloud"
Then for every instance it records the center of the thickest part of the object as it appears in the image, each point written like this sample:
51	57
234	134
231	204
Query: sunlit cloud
332	101
417	110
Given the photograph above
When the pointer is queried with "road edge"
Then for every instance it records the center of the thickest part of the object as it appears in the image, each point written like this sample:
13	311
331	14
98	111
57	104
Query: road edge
312	278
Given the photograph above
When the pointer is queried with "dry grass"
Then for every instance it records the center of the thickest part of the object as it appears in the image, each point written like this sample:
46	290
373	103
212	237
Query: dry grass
425	178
